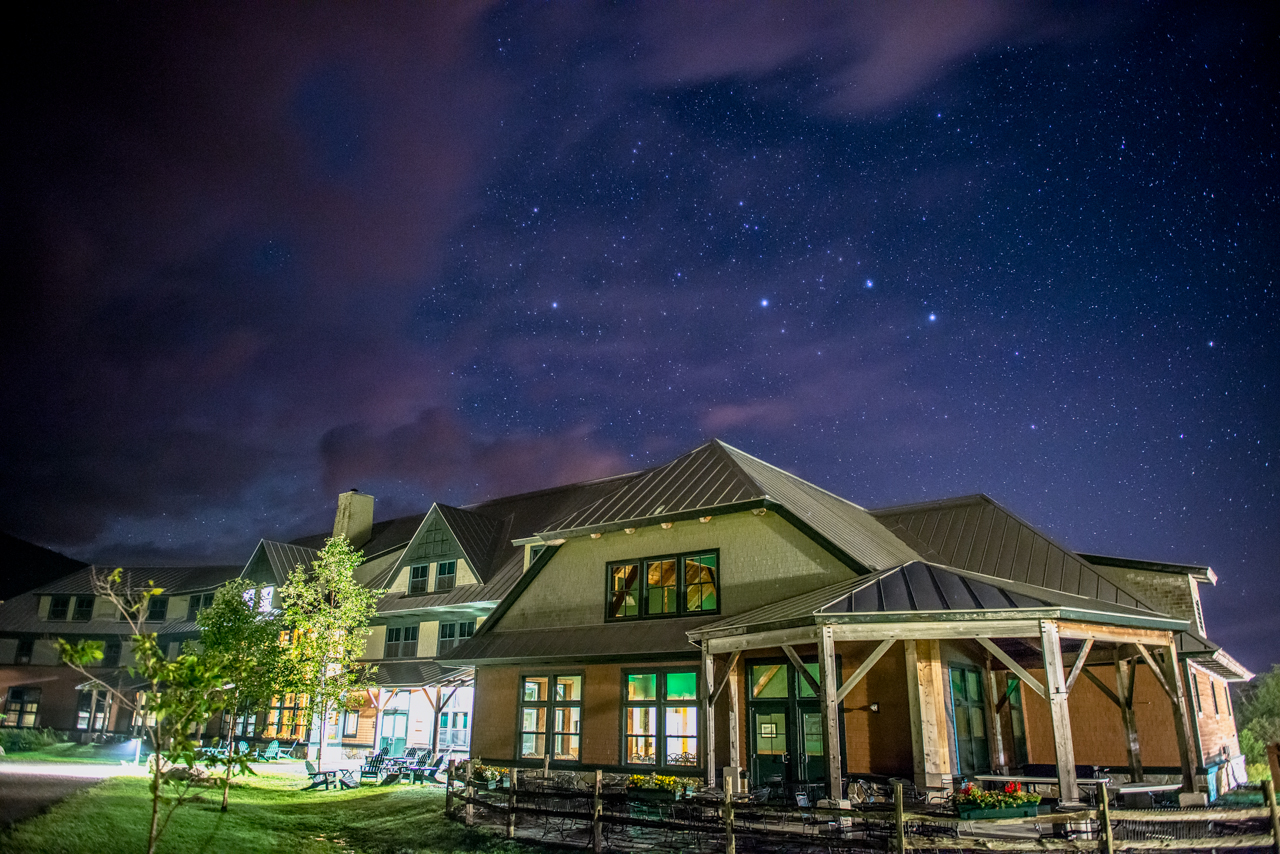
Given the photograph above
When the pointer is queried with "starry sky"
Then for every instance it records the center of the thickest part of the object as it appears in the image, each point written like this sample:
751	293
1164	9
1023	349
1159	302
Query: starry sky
258	254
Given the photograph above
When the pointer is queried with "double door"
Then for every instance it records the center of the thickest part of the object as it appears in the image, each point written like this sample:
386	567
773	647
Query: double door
785	749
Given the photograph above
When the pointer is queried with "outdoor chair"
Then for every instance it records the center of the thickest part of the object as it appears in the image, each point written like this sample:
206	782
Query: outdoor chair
272	752
422	770
320	778
242	747
346	780
373	768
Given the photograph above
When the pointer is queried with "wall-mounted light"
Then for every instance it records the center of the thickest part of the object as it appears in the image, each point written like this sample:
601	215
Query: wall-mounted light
875	707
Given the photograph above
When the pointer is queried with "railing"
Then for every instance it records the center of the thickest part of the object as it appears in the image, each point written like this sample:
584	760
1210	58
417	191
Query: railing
568	809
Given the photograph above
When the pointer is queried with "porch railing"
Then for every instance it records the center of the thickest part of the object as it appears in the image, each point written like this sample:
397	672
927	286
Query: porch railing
568	809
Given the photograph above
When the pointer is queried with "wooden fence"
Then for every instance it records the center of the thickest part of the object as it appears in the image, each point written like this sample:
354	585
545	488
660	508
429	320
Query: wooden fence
604	820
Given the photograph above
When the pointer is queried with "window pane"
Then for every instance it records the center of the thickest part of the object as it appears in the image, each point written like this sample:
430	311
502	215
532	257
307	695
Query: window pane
568	719
812	728
806	690
624	599
535	688
642	686
533	719
957	686
58	607
700	583
661	578
977	725
567	747
642	750
84	609
962	723
973	687
569	688
768	680
681	720
533	744
642	720
682	686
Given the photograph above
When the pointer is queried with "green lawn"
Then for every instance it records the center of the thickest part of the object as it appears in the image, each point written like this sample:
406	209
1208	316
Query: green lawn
67	751
268	814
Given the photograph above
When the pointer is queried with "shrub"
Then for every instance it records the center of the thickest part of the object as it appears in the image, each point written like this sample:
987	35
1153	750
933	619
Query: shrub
16	740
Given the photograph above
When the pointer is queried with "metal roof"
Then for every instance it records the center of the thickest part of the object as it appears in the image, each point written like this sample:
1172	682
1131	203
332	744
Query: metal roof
918	588
977	534
1200	573
715	477
419	673
479	536
281	558
173	579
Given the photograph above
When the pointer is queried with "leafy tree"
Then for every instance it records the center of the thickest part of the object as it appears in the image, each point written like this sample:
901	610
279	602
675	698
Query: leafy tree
327	612
176	697
249	641
1258	715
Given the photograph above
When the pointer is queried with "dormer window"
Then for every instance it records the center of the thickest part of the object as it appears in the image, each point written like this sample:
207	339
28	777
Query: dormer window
419	576
663	586
157	609
446	575
83	611
58	607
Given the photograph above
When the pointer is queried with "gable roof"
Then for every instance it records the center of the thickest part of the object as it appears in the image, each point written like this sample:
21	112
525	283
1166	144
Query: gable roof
25	565
172	579
479	536
977	534
717	478
280	558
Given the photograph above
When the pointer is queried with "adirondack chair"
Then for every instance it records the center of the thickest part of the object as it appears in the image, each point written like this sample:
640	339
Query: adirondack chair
320	778
373	768
242	747
422	770
272	752
346	780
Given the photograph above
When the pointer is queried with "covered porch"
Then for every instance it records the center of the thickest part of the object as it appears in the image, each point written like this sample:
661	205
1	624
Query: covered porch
951	652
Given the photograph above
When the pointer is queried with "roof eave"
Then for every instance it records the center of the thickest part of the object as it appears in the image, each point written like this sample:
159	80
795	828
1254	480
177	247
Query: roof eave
646	521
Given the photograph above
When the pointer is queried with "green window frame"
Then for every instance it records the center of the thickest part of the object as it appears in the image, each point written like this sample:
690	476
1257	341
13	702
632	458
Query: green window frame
663	586
551	714
660	725
419	579
446	575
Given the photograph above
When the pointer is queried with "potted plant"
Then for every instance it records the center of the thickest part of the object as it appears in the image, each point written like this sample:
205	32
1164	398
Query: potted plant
486	774
654	787
972	802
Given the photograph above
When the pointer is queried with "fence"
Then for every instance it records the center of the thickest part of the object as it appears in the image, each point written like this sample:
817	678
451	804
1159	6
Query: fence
568	810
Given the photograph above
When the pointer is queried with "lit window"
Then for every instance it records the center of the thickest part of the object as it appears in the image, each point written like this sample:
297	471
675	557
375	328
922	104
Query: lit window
287	717
663	586
418	577
22	707
551	712
446	575
661	718
350	724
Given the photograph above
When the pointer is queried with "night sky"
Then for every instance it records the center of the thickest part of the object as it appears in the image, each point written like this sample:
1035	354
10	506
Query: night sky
257	255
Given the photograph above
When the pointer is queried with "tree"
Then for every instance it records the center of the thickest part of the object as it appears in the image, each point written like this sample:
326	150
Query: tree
1258	715
327	613
175	697
248	639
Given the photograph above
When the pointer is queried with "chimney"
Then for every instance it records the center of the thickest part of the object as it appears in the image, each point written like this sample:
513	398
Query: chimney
355	517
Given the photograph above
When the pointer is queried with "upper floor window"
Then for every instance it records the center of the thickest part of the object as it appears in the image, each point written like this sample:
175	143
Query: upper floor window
197	603
402	642
157	609
664	586
446	575
26	646
83	611
111	653
58	607
418	578
452	634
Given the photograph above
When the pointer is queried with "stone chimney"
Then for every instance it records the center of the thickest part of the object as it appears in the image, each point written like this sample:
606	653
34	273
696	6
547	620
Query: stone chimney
355	517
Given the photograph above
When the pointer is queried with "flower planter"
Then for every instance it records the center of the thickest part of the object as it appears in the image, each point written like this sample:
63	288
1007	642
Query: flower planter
972	811
661	796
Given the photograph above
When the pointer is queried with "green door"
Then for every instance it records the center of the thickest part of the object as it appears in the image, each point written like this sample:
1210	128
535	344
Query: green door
968	707
786	727
770	752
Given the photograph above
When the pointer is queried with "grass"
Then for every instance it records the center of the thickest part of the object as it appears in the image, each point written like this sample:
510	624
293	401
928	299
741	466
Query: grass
67	751
269	813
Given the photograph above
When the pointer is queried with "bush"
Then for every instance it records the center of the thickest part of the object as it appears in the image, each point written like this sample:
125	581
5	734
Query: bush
1258	772
15	740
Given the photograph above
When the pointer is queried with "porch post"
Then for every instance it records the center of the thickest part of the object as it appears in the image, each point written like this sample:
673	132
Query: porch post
735	730
1178	699
1056	687
994	737
1124	690
708	712
930	741
831	746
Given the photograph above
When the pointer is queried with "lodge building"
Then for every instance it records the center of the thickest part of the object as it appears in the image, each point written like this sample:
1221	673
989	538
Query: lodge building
717	615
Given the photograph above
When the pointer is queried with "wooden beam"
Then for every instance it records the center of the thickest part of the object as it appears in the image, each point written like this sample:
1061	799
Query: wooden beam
1182	728
724	678
1112	634
1107	692
735	737
935	630
1059	715
831	746
1124	688
863	669
794	657
1081	660
764	679
1027	679
930	743
1159	674
995	740
761	640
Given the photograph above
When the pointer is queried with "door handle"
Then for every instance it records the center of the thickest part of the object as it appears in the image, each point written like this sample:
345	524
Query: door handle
786	757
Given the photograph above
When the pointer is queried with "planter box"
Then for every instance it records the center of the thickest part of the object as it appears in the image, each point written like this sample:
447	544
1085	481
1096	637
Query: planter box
973	811
661	796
